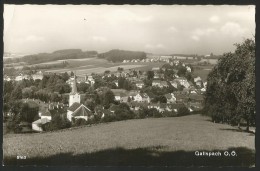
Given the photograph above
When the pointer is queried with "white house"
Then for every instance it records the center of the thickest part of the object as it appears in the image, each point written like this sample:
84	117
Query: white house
139	84
158	83
37	125
142	97
170	98
188	68
90	80
77	111
183	81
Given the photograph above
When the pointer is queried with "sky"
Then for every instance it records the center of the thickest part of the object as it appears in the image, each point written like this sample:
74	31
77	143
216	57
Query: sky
159	29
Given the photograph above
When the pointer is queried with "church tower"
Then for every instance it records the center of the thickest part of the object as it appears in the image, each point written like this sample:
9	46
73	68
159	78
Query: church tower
74	95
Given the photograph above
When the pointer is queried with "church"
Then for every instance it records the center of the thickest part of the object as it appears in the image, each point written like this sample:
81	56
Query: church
76	109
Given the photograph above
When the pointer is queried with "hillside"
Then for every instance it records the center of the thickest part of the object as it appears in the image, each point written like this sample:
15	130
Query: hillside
143	142
116	55
57	55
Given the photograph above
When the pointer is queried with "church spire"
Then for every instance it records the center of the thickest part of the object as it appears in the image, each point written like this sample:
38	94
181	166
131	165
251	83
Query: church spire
74	85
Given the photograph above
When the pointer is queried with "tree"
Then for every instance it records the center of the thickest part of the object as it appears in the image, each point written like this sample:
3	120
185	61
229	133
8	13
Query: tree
150	75
83	87
108	98
119	69
17	93
182	71
230	94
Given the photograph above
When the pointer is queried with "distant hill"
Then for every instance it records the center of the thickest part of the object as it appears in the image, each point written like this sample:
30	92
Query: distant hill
117	55
57	55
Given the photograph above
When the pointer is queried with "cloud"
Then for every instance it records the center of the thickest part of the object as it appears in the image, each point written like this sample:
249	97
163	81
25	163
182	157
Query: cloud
99	39
214	19
155	46
233	29
198	33
173	29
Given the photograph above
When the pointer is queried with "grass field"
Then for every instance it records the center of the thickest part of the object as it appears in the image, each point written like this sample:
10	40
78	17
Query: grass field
144	142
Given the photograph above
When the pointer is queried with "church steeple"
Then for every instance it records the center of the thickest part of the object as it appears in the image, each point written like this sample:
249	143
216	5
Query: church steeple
74	85
74	95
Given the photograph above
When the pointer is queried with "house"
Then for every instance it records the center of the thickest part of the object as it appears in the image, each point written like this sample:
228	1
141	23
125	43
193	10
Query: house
199	83
188	68
142	97
155	69
77	111
116	82
132	93
154	106
159	83
45	114
90	80
183	81
37	125
21	76
197	79
7	78
170	98
174	83
38	75
203	89
139	84
119	94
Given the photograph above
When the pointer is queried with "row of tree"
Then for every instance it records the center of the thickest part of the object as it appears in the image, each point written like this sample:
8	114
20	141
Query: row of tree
120	55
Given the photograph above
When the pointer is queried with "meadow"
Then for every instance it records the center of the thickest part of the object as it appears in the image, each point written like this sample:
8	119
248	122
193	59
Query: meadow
143	142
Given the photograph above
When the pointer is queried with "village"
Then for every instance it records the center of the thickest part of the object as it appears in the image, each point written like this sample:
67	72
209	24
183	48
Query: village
166	89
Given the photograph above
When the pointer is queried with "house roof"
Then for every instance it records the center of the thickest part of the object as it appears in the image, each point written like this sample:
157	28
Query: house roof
139	82
46	113
82	111
144	95
74	106
132	93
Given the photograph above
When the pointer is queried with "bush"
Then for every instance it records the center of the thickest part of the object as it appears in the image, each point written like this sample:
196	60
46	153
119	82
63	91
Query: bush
80	122
109	118
169	114
183	111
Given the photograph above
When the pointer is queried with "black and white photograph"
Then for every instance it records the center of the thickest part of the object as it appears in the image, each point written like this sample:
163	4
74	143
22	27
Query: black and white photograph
129	85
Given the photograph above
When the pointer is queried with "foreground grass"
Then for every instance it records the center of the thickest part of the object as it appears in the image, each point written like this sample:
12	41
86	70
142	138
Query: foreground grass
156	142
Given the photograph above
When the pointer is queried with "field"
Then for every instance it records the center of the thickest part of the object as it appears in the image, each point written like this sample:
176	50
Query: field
143	142
95	65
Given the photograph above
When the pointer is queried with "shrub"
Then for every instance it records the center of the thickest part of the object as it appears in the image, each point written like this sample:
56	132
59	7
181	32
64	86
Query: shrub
169	114
183	111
